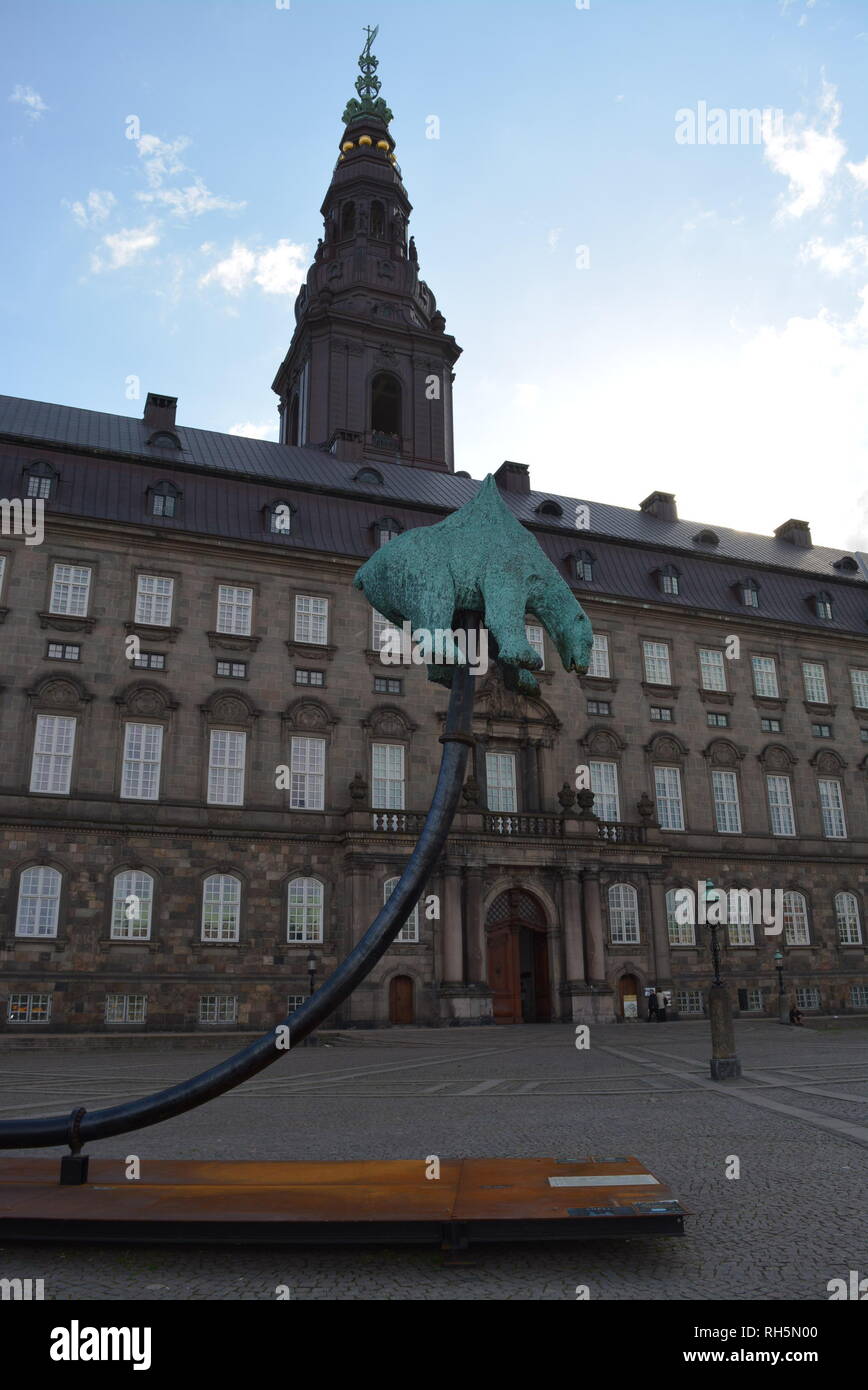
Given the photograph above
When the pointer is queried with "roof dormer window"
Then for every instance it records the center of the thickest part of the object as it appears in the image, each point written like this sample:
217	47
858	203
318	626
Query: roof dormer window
278	518
749	591
40	480
550	508
387	530
163	439
823	607
669	580
164	499
585	567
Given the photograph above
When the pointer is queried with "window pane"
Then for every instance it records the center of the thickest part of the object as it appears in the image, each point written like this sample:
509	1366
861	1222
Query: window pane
388	777
221	908
234	610
599	663
623	913
832	809
815	683
667	785
38	902
847	918
657	671
52	754
304	910
143	747
726	809
154	600
70	589
765	677
410	929
781	806
712	669
604	785
226	768
311	619
132	901
500	776
307	774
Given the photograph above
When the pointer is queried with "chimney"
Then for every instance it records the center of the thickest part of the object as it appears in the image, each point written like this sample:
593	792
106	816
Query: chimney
160	412
513	477
661	505
797	533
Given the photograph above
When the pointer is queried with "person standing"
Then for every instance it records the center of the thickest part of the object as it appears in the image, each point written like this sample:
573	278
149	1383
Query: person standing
661	1006
652	1005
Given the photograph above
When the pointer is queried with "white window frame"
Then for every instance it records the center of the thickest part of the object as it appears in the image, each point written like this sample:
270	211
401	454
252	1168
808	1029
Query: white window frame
226	770
221	908
668	797
604	785
35	1003
70	590
782	820
797	931
712	668
535	634
680	933
599	664
859	685
132	1008
311	623
689	1002
623	903
724	792
764	670
808	997
739	932
307	759
815	683
132	883
410	929
218	1008
848	919
858	998
155	599
38	911
53	752
304	911
831	794
501	782
656	661
379	627
388	776
235	609
142	761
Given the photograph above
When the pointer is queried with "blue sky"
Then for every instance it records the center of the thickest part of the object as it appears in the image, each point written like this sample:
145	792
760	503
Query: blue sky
711	340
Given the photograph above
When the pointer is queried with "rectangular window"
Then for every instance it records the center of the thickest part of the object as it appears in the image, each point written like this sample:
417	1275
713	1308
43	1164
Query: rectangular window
688	1001
39	487
126	1008
307	774
53	747
796	920
814	676
750	1001
234	610
771	726
808	997
143	750
500	776
599	662
154	600
535	637
740	927
218	1008
604	785
727	815
29	1008
304	910
712	670
657	667
765	677
38	902
821	730
832	809
859	996
661	714
863	734
163	504
859	682
294	1001
379	627
149	661
388	685
599	707
226	757
64	651
221	908
311	620
234	670
70	590
309	677
670	809
680	933
717	721
781	806
388	776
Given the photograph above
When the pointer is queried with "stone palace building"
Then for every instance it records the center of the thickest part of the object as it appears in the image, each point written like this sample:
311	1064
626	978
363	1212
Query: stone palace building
211	781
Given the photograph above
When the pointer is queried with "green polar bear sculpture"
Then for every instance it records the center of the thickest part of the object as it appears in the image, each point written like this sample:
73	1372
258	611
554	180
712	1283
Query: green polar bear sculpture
479	560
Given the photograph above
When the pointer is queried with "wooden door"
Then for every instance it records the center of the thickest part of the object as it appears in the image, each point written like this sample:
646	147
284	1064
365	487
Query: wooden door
503	974
401	999
628	992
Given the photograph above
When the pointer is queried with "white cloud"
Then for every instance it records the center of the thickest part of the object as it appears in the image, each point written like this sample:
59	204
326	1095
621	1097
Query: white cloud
94	209
251	431
849	254
279	269
859	172
808	156
161	157
191	201
30	100
124	247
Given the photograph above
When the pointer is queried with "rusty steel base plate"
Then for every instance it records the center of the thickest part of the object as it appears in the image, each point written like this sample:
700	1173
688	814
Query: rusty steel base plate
474	1199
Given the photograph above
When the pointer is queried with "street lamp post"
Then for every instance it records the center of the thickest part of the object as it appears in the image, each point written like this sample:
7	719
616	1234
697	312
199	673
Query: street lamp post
783	1015
725	1064
312	1040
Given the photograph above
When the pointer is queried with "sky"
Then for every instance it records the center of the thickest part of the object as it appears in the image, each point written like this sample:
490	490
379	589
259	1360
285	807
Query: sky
650	293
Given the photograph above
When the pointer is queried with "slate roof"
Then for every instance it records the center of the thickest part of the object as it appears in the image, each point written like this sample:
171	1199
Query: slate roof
336	513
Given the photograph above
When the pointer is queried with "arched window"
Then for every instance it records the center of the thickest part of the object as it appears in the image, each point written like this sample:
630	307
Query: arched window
221	908
40	480
750	593
132	902
378	221
386	405
293	420
796	920
304	914
370	476
410	929
38	902
163	439
847	918
585	567
707	537
823	604
669	580
164	498
623	914
348	219
680	933
738	905
550	508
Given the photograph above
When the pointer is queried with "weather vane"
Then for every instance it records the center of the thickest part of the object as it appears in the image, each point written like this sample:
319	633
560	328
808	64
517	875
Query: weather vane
368	85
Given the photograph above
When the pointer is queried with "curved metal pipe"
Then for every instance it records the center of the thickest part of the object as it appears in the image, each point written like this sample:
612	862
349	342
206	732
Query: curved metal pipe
151	1110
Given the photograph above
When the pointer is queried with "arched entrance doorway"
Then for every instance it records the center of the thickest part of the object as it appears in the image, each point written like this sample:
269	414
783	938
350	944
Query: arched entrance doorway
401	1008
518	960
628	995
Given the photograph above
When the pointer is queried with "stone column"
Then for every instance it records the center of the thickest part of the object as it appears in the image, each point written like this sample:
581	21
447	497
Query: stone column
571	915
660	931
474	927
453	942
594	927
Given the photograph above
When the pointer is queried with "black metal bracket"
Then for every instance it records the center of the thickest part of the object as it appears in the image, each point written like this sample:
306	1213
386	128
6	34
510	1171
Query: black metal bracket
74	1165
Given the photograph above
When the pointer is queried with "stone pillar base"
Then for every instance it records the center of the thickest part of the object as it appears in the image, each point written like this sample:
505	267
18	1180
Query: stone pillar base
585	1003
725	1068
465	1005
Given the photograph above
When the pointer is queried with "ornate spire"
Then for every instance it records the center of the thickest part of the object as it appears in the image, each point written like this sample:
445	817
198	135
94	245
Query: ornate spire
368	86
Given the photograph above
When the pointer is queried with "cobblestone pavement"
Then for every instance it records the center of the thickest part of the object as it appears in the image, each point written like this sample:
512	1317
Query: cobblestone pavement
797	1122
